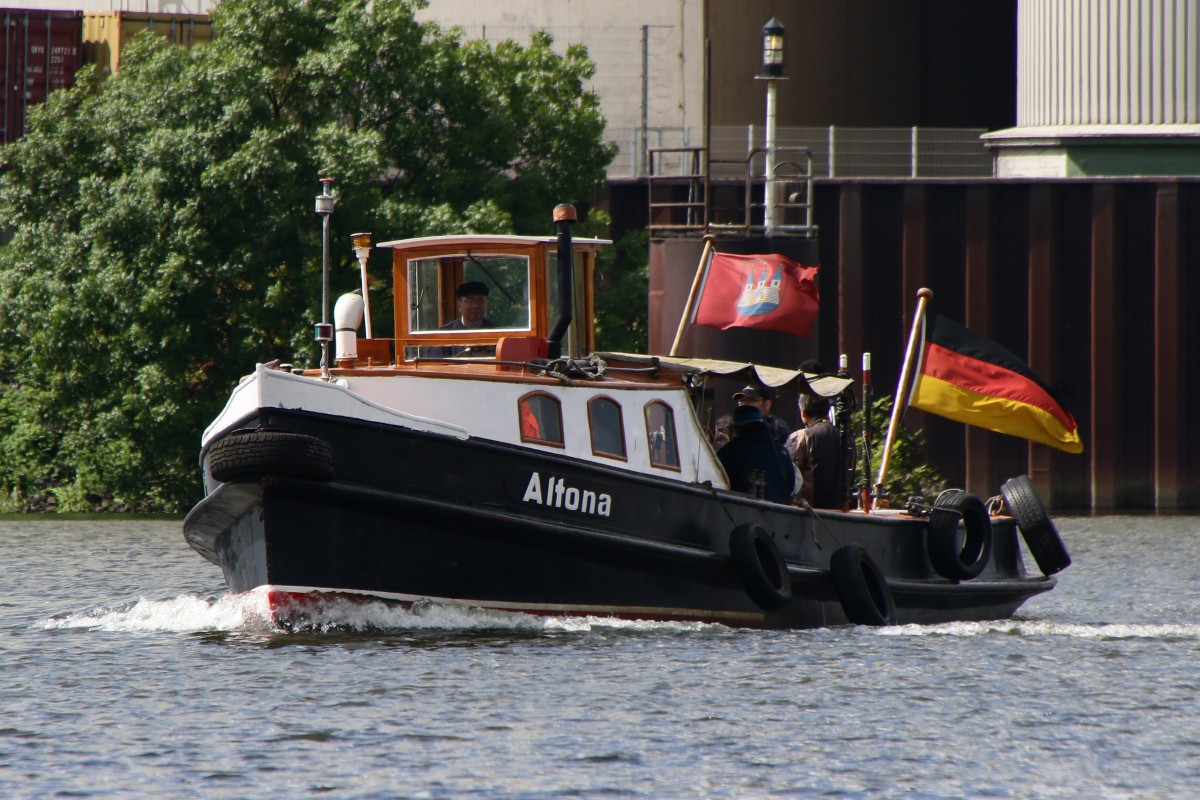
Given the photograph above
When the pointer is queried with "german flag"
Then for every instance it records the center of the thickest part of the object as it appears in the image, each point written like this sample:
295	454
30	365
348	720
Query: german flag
970	379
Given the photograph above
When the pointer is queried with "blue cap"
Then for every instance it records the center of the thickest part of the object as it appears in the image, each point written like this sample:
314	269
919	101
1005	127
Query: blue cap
471	289
755	393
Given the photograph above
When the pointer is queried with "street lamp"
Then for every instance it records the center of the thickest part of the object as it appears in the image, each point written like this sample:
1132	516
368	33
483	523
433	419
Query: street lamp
772	34
772	71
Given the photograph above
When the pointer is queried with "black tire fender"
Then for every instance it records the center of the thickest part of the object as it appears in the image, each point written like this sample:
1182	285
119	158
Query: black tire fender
861	587
959	554
295	455
760	566
1039	532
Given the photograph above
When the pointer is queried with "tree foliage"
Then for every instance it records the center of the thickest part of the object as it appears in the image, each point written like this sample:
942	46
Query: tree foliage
623	285
909	473
162	230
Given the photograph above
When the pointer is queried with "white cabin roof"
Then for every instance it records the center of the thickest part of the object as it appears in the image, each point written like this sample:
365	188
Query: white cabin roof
477	239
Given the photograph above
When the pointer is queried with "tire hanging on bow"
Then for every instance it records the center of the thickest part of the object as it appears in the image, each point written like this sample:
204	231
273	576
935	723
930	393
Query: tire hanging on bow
295	455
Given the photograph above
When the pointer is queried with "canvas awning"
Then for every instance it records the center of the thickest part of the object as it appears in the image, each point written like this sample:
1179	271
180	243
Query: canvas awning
824	385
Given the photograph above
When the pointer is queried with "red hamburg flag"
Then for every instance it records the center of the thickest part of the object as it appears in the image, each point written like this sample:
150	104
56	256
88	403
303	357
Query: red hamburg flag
971	379
769	292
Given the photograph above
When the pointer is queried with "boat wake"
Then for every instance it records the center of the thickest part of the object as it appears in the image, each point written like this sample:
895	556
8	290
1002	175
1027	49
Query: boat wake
1042	628
183	614
250	612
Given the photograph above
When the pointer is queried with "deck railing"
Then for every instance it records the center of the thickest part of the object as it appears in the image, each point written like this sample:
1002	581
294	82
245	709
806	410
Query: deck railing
690	193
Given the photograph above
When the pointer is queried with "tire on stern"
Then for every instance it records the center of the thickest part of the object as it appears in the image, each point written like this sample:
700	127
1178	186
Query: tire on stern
1039	532
861	587
760	566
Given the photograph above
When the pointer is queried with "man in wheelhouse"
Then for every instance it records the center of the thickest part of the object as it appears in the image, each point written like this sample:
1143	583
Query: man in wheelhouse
471	303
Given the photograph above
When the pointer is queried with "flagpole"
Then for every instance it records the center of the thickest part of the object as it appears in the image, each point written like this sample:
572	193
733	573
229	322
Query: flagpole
923	298
866	432
701	268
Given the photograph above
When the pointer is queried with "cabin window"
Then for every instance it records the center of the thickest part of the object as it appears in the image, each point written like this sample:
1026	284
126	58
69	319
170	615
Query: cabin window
660	432
608	430
432	283
540	417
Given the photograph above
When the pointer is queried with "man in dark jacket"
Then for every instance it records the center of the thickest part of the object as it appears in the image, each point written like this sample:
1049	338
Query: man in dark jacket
814	449
761	398
753	458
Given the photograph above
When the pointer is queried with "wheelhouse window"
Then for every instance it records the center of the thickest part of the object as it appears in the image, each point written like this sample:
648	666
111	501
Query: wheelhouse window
660	432
433	285
579	311
540	418
607	427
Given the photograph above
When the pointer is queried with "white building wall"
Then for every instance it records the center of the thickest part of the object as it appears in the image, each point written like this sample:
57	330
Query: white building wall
649	57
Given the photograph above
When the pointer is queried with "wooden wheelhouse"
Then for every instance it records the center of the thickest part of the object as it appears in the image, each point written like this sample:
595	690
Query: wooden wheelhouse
522	276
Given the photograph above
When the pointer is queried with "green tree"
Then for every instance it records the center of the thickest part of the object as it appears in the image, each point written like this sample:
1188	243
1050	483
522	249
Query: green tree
909	473
623	286
162	228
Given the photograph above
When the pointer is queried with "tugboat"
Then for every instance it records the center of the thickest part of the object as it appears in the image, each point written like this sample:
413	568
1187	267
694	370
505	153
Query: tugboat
511	467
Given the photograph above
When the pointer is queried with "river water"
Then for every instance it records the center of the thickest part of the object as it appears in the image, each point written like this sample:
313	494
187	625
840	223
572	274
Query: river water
129	672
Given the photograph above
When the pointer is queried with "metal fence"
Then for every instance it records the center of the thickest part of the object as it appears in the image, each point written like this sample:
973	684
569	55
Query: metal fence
635	143
837	152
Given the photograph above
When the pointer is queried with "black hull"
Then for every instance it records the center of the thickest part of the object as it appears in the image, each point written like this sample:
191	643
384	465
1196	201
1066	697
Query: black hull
409	516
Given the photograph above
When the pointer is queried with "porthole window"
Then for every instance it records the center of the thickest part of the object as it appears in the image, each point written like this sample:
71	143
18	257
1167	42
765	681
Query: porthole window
540	418
660	432
607	428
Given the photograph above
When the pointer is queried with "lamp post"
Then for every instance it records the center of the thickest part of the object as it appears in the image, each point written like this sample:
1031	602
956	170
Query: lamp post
772	71
324	330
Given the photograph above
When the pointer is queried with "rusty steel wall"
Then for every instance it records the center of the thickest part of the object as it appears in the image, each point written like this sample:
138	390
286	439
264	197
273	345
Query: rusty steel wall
1093	282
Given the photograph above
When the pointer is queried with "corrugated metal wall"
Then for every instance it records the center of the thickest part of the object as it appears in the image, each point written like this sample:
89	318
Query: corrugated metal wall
106	33
1094	283
1108	62
41	53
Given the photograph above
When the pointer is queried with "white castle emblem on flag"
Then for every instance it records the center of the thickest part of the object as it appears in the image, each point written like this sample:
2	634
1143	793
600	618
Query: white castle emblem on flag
761	296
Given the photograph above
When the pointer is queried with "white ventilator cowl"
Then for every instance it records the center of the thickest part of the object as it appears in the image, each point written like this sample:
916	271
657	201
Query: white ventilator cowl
347	316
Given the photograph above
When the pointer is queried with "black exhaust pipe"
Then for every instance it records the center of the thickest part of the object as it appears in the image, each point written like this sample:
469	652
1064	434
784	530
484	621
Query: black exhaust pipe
564	218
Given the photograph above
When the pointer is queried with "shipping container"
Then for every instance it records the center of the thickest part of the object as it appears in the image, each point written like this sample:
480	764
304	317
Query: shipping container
42	51
105	33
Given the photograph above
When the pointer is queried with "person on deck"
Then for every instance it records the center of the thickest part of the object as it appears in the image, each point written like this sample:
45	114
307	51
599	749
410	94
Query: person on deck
471	302
753	453
814	450
760	397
